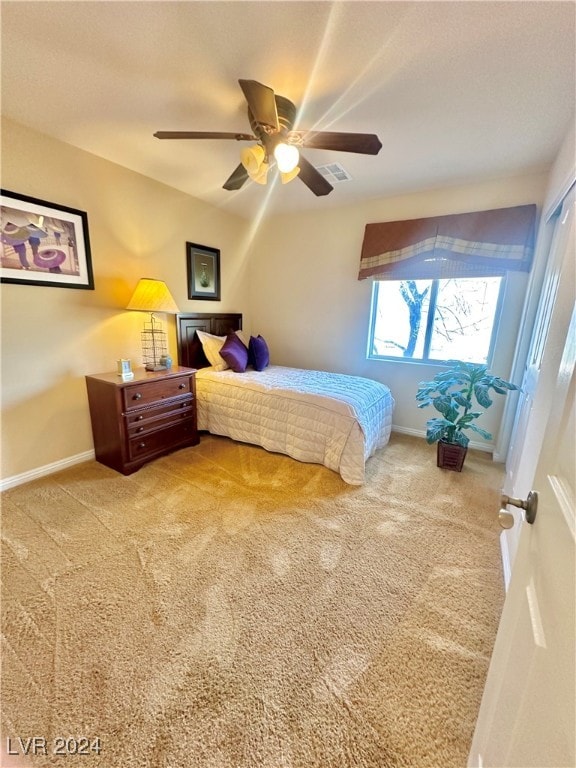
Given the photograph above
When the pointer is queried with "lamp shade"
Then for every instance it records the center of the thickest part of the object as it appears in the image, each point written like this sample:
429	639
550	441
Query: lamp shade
252	158
286	177
152	296
261	176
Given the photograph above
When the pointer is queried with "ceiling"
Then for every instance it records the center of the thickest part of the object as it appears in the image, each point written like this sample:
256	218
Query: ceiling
456	91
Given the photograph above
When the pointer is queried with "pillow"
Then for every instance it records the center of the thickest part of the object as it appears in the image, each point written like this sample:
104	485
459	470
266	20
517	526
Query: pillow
235	353
259	355
212	345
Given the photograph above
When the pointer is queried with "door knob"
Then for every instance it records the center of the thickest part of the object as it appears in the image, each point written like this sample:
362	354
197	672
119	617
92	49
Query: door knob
529	505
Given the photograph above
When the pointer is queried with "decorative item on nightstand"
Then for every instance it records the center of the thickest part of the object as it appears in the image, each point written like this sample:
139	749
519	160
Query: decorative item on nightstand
153	296
124	368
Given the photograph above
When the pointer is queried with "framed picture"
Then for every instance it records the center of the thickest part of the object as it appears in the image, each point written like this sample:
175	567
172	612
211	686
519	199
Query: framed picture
43	243
203	268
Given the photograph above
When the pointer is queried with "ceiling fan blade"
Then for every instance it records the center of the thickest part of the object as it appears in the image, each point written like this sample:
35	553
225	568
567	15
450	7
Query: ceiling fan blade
203	135
237	178
313	178
363	143
262	103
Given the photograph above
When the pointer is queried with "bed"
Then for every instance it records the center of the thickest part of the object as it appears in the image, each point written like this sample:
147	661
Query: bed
319	417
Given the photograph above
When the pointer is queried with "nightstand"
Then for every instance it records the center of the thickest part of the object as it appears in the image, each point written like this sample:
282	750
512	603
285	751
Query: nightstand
138	420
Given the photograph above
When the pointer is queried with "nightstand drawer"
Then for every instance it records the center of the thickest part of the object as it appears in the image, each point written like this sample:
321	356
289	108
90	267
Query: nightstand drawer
164	439
143	416
166	417
144	393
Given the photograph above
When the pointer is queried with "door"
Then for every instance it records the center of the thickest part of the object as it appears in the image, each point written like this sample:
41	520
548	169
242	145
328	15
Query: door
532	412
527	716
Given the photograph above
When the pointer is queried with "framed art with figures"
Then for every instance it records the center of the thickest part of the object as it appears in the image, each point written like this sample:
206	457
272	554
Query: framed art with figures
43	243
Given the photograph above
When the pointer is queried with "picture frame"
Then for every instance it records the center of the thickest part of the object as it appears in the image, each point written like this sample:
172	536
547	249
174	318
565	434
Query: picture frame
43	243
203	271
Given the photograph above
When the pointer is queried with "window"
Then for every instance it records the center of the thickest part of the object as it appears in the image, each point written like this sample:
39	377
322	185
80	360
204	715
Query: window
435	320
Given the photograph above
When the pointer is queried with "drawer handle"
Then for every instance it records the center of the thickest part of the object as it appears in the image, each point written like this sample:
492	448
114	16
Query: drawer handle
137	396
141	445
181	386
140	429
184	405
139	418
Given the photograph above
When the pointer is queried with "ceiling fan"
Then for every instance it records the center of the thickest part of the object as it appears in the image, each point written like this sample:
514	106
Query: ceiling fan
271	119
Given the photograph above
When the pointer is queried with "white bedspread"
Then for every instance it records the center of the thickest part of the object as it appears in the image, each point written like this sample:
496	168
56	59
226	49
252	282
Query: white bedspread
313	416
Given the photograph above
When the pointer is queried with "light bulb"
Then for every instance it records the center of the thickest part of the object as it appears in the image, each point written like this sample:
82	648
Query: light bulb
286	157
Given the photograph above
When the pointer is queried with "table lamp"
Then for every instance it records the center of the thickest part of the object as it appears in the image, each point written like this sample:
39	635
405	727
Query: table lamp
153	296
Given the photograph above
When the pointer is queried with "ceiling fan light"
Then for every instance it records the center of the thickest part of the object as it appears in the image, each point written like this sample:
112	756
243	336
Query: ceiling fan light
286	177
287	157
261	175
252	158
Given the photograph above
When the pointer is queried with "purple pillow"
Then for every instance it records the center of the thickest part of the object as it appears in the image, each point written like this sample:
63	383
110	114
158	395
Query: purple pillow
259	355
234	352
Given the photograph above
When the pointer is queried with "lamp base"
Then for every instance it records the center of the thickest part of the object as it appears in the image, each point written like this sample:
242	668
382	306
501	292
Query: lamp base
152	367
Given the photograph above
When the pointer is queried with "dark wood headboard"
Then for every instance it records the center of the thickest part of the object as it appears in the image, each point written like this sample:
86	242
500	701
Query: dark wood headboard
190	352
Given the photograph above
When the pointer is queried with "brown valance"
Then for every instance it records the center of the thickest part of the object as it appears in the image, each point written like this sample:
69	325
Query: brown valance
478	244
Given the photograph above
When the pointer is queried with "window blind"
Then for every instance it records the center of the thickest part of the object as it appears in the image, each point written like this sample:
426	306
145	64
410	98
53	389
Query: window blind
477	244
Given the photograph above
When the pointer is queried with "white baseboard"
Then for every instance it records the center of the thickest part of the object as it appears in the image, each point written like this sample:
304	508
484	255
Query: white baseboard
499	457
56	466
486	447
47	469
408	431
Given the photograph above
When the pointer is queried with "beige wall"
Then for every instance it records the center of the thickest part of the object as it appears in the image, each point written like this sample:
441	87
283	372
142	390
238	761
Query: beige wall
294	277
52	337
306	299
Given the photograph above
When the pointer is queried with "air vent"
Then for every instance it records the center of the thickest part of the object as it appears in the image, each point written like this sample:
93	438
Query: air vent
334	173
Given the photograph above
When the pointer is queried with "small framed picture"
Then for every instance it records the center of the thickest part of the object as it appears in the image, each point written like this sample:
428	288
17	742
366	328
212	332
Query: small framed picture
43	243
203	270
124	366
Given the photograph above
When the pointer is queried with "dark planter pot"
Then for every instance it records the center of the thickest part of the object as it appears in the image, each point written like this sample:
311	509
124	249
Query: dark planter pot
450	456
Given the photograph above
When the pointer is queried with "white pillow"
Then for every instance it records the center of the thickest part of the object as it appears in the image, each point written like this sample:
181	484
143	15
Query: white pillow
212	345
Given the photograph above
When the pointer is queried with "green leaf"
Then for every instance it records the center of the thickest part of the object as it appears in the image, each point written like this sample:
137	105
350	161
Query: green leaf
443	403
434	434
468	418
504	384
436	429
460	439
482	395
444	376
486	435
461	400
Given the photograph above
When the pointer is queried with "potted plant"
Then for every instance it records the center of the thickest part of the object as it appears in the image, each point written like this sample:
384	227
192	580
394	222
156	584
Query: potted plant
461	395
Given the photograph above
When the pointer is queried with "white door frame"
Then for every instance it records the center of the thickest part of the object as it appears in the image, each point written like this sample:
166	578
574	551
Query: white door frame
527	713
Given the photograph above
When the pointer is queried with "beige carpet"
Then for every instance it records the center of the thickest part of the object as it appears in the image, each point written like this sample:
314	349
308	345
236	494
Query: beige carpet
229	608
